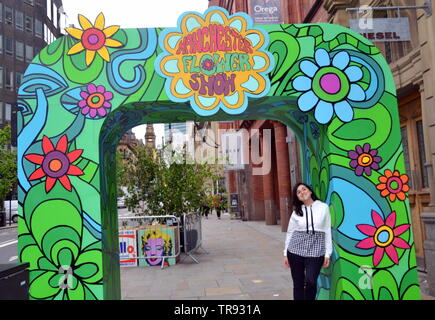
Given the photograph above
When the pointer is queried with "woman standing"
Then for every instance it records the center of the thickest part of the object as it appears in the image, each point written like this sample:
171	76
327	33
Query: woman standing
308	244
218	204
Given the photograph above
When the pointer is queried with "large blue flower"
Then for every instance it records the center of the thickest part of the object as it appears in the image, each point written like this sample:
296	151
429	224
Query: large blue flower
329	86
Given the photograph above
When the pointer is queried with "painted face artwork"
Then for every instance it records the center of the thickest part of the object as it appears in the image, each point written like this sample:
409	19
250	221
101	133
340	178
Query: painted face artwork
331	86
154	248
156	244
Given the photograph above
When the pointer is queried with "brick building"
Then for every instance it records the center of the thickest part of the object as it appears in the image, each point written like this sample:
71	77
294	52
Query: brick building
266	194
129	143
294	11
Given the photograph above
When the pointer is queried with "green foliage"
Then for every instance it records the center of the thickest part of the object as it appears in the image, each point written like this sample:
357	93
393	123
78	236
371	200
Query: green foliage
156	186
8	165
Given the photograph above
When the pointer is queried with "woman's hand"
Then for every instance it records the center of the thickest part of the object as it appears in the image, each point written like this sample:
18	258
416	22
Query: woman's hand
326	263
286	265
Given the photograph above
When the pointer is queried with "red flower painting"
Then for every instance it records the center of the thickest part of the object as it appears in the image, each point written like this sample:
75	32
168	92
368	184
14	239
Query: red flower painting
384	236
55	163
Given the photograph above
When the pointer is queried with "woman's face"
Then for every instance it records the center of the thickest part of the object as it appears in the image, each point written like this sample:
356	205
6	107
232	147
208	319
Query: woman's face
154	248
303	193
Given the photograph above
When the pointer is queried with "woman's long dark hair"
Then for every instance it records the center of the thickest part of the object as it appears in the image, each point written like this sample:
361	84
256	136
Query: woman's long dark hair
297	204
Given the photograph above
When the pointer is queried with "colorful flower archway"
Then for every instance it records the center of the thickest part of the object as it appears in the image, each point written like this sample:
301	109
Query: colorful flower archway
329	84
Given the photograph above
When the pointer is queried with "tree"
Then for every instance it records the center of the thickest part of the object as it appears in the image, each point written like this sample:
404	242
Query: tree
186	184
159	187
8	165
140	177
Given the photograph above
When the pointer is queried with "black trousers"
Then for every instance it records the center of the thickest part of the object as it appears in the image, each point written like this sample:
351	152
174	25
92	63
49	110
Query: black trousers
305	272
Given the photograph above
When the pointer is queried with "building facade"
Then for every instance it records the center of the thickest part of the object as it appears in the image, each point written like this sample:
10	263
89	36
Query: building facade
26	27
265	177
175	133
128	144
287	11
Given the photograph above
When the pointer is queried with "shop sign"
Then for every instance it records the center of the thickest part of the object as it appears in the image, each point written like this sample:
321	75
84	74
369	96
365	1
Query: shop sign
234	201
382	29
266	11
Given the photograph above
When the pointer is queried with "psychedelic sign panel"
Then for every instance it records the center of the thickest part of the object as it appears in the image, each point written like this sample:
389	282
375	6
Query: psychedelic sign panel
215	62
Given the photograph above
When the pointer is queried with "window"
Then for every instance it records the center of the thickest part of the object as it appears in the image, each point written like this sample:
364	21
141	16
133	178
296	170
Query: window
19	50
55	22
62	20
1	14
1	77
46	35
18	77
1	43
1	112
29	24
8	111
38	28
49	12
29	2
9	46
19	19
422	155
8	15
9	80
29	53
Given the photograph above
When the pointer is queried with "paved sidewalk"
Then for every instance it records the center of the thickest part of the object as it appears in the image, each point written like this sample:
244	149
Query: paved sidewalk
244	262
424	287
7	226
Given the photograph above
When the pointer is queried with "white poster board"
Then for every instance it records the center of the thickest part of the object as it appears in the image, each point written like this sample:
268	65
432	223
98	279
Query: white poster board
127	248
382	29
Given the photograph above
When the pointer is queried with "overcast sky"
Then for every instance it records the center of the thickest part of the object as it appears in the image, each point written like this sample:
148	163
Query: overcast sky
134	14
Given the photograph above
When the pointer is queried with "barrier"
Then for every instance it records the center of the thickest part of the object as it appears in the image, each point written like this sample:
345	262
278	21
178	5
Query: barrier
192	233
149	240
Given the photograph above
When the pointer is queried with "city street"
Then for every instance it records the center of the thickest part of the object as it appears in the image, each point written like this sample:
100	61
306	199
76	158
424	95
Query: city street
8	245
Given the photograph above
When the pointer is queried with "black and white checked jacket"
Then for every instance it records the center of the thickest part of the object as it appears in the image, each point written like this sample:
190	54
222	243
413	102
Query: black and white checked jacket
310	235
